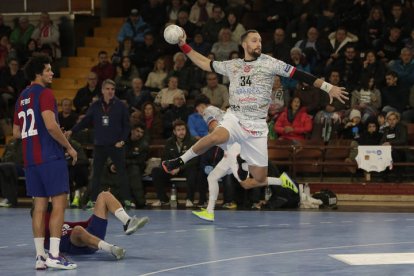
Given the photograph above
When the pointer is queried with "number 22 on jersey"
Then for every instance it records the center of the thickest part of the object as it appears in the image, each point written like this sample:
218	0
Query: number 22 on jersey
25	116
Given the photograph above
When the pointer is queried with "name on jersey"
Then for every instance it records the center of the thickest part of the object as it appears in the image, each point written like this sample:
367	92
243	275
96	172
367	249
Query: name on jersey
245	90
248	100
24	102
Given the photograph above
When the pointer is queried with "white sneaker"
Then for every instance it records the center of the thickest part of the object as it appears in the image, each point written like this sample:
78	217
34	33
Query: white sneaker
5	203
118	252
189	203
60	262
134	224
40	263
159	203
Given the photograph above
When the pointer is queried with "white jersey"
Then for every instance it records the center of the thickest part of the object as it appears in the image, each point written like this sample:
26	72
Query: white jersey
212	113
374	158
250	88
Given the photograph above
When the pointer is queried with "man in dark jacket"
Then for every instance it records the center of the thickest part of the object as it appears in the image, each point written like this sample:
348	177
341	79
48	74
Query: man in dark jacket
175	146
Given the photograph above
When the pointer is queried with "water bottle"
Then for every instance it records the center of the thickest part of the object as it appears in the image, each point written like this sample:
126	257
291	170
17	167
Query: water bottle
268	193
306	189
173	197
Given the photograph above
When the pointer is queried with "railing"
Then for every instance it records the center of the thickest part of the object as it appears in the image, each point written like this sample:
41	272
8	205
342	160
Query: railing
31	7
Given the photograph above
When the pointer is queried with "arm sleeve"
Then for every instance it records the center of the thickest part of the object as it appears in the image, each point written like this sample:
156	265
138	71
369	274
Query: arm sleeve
220	67
47	101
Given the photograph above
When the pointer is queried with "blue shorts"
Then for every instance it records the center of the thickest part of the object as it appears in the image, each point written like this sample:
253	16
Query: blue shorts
47	179
97	227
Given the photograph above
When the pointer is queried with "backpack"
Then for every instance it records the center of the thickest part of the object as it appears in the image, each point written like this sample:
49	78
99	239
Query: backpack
328	198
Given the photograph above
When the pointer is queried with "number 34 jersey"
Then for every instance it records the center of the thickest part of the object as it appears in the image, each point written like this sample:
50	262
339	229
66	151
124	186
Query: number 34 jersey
251	85
38	145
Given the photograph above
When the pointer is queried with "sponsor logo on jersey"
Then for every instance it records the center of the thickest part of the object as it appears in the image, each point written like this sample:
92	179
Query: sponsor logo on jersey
287	68
247	68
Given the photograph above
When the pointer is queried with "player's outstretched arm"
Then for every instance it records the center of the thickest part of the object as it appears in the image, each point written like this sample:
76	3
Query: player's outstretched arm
333	91
198	59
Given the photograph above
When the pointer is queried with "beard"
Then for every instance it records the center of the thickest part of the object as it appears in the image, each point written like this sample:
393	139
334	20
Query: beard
255	53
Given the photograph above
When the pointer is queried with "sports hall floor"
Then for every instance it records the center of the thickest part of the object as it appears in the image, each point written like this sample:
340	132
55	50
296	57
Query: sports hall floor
175	242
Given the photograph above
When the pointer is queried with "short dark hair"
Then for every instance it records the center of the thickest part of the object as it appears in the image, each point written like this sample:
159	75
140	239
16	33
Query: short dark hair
243	36
139	125
201	99
35	66
179	122
102	52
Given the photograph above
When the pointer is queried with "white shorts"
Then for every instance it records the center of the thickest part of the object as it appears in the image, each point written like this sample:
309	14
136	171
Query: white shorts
253	148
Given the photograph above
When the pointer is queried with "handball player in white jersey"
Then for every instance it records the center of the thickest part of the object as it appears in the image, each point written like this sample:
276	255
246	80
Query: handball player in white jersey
251	81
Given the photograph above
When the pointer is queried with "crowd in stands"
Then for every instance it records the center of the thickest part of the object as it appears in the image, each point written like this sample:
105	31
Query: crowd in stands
365	46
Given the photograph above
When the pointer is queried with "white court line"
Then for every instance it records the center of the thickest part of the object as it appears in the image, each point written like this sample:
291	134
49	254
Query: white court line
272	254
160	232
325	222
22	244
242	226
1	247
305	223
375	258
283	224
263	225
409	219
202	229
221	228
389	219
368	220
179	231
347	221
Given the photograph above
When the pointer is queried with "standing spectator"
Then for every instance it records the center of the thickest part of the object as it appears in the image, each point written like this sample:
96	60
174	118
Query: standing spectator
104	70
294	123
373	67
146	54
217	93
279	47
155	79
176	145
237	29
137	95
134	27
4	29
47	35
404	67
225	45
67	117
35	122
125	73
200	12
213	26
327	20
84	96
177	111
197	126
21	34
109	117
389	47
152	120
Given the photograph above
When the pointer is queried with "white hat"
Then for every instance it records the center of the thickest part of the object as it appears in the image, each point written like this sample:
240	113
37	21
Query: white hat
354	113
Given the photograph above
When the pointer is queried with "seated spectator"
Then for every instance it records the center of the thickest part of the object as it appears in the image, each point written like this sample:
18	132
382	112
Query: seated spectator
67	117
409	42
197	126
276	14
165	97
389	47
137	95
104	70
200	12
310	97
134	27
146	54
399	19
84	97
173	8
176	145
280	100
125	73
47	35
373	67
404	67
177	111
182	72
340	108
394	97
338	40
155	79
353	127
367	99
217	93
188	26
152	120
382	123
199	44
213	26
155	14
279	47
32	49
298	60
225	45
303	15
326	124
373	27
21	34
135	118
237	29
4	51
293	123
408	114
4	29
137	150
125	49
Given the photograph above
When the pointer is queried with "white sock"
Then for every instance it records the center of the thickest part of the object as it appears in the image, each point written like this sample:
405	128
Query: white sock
40	246
77	193
213	187
122	215
274	181
103	245
188	155
54	246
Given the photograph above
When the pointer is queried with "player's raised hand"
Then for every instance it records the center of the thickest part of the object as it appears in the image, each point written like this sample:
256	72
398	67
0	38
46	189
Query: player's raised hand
182	39
339	93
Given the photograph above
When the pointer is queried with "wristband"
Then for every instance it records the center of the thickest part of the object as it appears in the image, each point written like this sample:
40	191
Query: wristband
326	86
186	48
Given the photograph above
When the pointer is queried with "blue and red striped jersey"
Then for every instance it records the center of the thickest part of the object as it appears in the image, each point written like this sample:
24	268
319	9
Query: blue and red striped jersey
38	145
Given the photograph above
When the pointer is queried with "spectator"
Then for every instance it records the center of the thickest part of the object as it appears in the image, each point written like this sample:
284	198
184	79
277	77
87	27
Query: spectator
4	29
217	93
382	123
84	96
353	127
125	49
152	120
146	55
338	40
137	150
349	67
134	27
327	20
201	11
173	8
408	115
394	97
176	145
155	79
31	50
373	27
399	19
137	96
188	26
21	34
109	117
155	14
389	47
182	72
298	60
125	73
367	99
404	67
276	14
177	111
409	42
104	70
199	44
303	16
310	97
237	29
213	26
280	100
326	124
47	35
225	45
4	51
67	117
340	108
197	126
373	67
293	123
351	14
279	47
165	97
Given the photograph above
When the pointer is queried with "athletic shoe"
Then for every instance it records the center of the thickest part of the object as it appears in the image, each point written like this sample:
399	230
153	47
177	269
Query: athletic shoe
59	262
189	204
229	205
204	215
169	165
75	202
117	252
5	203
159	203
40	263
134	223
240	172
288	183
90	205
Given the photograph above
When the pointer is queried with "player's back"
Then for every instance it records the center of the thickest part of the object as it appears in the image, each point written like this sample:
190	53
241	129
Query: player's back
38	145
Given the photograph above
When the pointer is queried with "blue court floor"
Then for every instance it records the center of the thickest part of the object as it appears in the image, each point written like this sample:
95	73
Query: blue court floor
175	242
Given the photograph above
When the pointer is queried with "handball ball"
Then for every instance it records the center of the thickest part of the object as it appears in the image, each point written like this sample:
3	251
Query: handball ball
172	34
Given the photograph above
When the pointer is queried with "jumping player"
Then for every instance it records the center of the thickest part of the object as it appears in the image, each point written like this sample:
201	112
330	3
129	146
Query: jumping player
35	122
251	81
